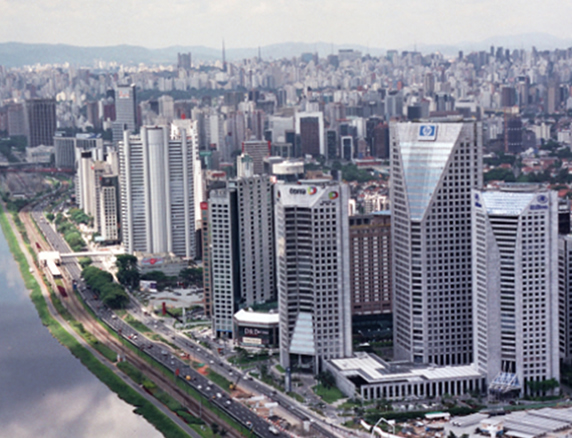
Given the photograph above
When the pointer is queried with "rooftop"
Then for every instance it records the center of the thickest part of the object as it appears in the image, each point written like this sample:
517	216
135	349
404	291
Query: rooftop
251	317
374	370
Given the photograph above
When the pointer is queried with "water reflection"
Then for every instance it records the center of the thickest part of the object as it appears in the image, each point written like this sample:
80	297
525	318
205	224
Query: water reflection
44	390
81	411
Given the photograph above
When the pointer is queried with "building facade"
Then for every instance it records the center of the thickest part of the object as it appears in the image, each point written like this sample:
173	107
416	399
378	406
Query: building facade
257	150
40	116
125	111
515	286
565	296
434	166
370	264
241	225
313	276
224	259
157	199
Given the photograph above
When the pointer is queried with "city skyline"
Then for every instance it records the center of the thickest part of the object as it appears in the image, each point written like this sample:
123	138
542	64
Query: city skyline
396	24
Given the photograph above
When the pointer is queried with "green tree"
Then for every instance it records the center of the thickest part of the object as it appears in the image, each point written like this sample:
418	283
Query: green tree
327	379
127	271
192	276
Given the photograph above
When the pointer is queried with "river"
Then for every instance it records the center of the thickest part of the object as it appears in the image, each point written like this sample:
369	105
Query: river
44	390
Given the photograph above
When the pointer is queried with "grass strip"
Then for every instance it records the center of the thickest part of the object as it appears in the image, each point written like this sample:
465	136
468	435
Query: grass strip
136	324
143	407
329	395
221	381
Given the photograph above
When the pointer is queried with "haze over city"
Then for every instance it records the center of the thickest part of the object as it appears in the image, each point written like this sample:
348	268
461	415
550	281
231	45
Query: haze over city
251	23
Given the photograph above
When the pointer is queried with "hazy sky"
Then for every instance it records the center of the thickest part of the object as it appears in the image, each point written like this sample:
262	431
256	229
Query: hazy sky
250	23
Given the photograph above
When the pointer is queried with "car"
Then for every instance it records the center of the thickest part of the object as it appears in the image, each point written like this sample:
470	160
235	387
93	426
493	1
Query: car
228	402
249	424
212	362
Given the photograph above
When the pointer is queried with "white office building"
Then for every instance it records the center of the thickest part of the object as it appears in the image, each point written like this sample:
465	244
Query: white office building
515	286
434	166
565	293
241	246
108	209
157	199
224	259
312	258
191	130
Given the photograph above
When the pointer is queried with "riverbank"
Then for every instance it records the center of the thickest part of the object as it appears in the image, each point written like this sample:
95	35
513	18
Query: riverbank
49	318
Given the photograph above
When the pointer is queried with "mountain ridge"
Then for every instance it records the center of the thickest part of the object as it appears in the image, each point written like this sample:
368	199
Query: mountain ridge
17	54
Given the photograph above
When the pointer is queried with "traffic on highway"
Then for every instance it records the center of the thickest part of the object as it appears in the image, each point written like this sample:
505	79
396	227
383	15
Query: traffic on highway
165	356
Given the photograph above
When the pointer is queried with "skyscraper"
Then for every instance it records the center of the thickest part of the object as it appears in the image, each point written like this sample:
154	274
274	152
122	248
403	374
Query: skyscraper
310	127
40	116
184	60
241	244
125	111
312	258
515	269
565	293
157	199
258	150
370	263
433	168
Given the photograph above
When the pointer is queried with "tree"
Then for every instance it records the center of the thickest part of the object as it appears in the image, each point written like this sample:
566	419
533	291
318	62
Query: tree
192	276
127	271
214	428
327	379
126	261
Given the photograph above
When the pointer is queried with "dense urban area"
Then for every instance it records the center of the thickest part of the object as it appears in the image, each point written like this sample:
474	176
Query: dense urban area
316	246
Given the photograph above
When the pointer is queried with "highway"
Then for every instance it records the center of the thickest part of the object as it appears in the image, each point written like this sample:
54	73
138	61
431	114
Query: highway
162	354
158	351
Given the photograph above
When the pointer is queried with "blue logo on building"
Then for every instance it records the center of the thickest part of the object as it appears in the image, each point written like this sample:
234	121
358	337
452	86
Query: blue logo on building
543	199
427	132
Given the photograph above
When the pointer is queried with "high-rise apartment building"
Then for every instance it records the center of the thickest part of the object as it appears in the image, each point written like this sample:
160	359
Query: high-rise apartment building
515	286
434	166
157	199
40	116
241	225
313	276
370	263
125	111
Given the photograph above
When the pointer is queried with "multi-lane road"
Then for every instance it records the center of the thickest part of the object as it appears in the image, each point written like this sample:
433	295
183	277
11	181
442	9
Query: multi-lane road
162	354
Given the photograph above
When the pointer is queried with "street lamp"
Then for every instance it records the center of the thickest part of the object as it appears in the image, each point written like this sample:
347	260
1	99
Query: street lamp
389	422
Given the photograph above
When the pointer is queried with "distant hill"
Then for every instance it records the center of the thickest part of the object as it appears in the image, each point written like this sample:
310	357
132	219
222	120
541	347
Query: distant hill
14	54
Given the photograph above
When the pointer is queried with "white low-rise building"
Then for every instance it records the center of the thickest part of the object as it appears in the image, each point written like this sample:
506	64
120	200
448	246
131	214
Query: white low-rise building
374	379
